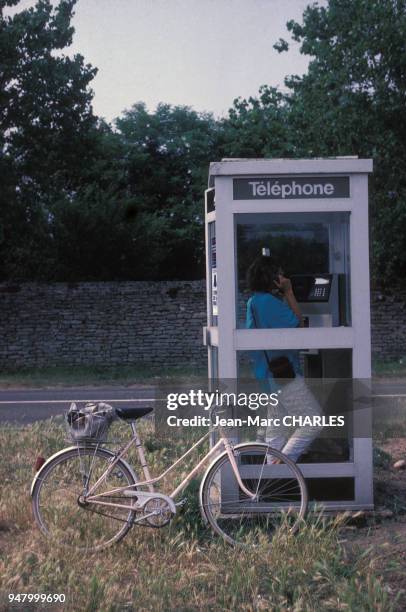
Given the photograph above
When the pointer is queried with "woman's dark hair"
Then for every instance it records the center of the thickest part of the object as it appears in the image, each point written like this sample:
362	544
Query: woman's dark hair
261	275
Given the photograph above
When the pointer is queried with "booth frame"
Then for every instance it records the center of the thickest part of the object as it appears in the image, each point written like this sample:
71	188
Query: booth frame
229	339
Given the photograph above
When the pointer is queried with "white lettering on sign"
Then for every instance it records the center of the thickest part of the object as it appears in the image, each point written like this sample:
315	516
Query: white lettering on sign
286	190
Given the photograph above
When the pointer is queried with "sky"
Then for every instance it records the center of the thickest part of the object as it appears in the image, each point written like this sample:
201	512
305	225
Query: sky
199	53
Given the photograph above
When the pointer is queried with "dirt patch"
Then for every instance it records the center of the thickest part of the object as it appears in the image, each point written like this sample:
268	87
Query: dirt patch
385	539
396	447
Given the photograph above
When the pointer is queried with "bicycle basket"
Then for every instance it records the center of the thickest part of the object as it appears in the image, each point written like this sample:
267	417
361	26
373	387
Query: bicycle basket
91	423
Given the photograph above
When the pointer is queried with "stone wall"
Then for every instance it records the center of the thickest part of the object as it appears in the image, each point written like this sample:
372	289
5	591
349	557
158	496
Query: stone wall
388	322
151	323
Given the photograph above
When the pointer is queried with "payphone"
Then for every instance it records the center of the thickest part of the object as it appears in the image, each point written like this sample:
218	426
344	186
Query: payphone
311	216
319	299
322	302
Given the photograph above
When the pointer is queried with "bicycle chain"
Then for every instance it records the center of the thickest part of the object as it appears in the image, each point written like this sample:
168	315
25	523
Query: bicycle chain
88	509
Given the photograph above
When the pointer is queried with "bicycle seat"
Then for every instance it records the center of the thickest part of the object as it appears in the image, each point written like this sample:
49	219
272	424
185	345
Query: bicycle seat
134	413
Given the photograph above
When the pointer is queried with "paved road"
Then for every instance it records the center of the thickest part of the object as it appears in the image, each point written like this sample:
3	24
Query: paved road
388	388
29	405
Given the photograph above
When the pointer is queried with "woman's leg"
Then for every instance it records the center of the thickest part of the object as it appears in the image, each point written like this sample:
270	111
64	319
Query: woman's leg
298	400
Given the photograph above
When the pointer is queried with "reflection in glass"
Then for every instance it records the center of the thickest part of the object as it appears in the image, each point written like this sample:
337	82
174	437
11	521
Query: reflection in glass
326	376
310	248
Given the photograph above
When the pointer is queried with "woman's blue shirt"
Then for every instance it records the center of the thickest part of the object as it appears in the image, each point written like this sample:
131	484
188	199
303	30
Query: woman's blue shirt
265	311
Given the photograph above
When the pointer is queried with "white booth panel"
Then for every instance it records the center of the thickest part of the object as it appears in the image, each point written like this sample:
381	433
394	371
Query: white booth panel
297	167
311	338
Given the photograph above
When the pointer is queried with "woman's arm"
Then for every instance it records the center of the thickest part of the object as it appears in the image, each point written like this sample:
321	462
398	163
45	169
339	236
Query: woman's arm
285	286
291	300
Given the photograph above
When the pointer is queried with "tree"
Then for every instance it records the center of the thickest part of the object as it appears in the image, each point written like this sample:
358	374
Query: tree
167	157
47	129
351	101
258	127
80	200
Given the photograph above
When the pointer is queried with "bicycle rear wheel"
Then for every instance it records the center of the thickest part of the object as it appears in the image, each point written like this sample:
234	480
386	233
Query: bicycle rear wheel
61	514
280	495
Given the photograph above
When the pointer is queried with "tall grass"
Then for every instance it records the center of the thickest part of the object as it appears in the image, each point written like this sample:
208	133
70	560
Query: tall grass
180	567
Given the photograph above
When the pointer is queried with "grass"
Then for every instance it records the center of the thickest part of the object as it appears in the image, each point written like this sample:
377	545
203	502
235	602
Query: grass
389	418
94	375
181	567
393	368
136	373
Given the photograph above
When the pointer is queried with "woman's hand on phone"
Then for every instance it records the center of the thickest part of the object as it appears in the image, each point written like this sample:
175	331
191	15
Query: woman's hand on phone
284	285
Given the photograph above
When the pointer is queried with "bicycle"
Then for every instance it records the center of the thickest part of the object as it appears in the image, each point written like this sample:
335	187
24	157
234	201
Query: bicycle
89	497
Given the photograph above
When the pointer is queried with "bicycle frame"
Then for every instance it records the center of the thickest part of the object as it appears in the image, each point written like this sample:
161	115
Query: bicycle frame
93	497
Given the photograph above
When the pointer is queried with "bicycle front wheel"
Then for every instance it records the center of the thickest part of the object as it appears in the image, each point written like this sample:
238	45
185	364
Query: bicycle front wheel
57	499
279	490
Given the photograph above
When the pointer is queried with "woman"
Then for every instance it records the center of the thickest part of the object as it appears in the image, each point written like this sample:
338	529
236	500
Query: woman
273	305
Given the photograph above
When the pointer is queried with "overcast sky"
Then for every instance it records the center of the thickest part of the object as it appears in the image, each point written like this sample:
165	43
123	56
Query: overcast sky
201	53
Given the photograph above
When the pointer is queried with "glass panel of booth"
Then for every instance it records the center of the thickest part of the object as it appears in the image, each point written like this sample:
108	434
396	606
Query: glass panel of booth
310	248
311	398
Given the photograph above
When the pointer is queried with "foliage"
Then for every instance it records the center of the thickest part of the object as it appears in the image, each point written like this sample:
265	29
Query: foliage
258	127
83	200
167	156
138	213
356	86
46	125
80	200
351	101
122	374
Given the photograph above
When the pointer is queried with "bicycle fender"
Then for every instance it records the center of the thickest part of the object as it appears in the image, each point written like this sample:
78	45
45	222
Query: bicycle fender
69	448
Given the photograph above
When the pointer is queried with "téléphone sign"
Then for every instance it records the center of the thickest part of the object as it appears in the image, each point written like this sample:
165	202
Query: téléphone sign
283	188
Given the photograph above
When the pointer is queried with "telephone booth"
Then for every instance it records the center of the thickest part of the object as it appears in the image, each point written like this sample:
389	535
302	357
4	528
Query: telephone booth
312	215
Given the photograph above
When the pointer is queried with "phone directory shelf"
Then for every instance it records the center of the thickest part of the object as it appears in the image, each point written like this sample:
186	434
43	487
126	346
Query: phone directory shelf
311	216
